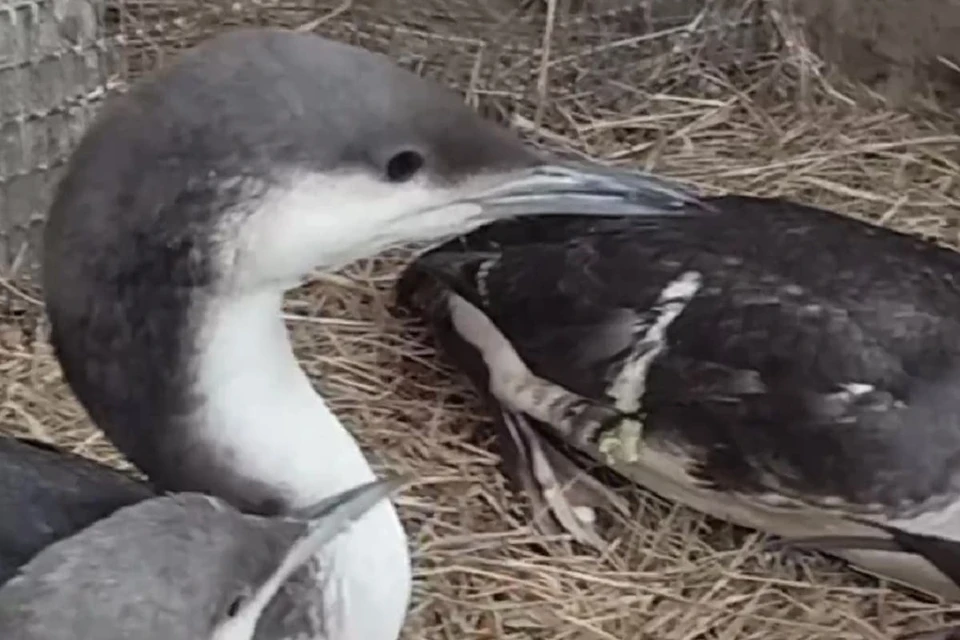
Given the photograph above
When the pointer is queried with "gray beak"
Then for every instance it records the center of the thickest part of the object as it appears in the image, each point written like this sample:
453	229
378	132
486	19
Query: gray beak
335	514
586	189
323	522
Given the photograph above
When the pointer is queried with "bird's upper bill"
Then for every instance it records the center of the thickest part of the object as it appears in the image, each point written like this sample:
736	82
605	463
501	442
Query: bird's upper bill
580	189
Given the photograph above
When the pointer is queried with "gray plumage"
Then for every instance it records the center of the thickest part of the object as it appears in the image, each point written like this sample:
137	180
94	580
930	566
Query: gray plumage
806	387
47	495
167	568
181	566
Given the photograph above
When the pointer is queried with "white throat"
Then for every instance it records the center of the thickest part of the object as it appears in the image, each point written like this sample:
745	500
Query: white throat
263	413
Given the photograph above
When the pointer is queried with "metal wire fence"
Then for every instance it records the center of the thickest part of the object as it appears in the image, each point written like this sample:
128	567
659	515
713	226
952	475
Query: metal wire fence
55	66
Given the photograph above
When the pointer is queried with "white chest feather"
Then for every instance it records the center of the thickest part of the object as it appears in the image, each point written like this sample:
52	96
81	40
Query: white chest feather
262	414
341	217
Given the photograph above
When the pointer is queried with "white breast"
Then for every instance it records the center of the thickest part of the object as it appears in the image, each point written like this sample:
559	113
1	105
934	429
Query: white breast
262	412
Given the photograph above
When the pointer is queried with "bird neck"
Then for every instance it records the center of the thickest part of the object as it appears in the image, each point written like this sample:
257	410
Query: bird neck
261	414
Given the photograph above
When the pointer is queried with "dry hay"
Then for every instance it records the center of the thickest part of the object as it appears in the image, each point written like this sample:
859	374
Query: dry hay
899	47
771	125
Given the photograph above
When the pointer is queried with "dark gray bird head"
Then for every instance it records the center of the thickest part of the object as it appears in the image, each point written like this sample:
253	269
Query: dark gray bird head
211	186
184	566
265	153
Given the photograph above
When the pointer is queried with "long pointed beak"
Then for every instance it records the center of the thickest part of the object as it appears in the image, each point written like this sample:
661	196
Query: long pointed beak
586	189
324	521
333	515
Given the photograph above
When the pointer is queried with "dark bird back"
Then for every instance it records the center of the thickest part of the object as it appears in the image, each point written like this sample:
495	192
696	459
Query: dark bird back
779	365
48	495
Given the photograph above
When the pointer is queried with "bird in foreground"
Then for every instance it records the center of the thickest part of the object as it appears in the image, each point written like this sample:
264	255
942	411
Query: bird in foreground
212	186
47	494
774	365
185	566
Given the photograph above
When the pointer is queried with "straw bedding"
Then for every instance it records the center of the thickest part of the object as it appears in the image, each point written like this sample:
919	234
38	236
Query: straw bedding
750	111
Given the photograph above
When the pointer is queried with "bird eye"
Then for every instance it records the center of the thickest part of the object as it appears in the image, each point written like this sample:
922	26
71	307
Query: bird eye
233	609
403	165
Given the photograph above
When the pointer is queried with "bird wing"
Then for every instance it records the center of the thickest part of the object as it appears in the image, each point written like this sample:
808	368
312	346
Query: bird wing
813	361
47	495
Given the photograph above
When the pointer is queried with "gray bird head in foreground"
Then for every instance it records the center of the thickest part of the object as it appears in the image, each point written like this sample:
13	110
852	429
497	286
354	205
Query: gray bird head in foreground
184	566
216	183
262	154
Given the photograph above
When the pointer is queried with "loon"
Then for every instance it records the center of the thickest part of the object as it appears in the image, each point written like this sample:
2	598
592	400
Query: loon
182	566
774	365
202	194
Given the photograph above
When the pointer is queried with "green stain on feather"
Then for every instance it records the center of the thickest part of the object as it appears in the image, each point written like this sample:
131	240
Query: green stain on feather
622	444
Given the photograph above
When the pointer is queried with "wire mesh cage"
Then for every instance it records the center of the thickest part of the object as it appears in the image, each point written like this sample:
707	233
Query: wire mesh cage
55	65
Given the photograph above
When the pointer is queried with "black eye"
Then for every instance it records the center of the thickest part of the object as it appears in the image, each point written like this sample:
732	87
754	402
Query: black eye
234	607
404	165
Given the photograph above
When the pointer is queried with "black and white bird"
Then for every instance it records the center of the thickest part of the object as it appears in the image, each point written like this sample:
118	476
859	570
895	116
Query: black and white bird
774	365
201	195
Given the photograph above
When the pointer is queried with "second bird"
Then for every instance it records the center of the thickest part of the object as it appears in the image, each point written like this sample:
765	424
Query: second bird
775	365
